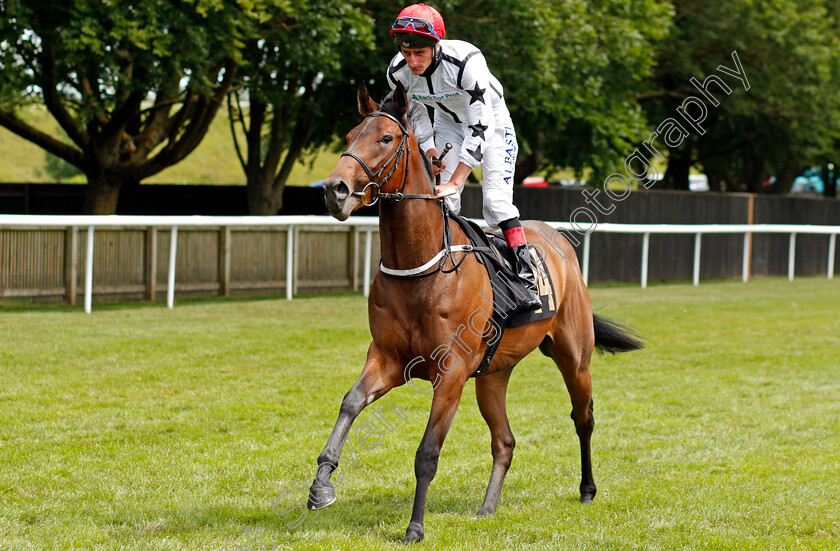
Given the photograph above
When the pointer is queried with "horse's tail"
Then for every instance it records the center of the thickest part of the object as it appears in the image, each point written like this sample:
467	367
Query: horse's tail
613	337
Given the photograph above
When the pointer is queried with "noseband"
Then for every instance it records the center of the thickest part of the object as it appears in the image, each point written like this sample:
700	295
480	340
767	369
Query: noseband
395	158
440	259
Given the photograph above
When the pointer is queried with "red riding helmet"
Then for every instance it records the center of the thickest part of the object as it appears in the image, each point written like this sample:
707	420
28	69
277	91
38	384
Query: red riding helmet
418	26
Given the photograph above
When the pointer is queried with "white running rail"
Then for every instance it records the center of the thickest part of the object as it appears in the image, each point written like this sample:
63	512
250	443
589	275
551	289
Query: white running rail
371	224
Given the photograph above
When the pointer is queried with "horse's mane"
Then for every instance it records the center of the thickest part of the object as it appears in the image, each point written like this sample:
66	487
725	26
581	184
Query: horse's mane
388	106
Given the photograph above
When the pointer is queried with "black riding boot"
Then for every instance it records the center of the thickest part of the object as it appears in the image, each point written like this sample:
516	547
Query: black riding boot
525	271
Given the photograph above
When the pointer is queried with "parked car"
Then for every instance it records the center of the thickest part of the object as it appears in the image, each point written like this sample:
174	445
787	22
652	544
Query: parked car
698	182
809	182
535	181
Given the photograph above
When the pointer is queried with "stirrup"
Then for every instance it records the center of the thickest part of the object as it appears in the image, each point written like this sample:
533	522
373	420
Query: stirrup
527	275
532	303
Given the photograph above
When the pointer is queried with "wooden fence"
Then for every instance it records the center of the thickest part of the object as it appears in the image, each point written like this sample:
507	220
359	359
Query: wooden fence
46	258
49	264
615	256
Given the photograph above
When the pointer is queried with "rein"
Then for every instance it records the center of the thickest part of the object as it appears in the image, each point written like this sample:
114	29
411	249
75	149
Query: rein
377	193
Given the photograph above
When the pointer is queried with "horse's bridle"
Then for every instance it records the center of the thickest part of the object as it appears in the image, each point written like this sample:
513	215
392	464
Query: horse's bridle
404	148
376	187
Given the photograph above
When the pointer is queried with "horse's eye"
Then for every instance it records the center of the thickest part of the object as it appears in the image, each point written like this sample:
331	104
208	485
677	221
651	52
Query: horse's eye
387	138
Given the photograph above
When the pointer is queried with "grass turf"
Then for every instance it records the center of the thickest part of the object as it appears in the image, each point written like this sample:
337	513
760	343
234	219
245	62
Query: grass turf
137	428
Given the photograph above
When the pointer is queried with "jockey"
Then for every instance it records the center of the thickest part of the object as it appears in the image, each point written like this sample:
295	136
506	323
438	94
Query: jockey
452	77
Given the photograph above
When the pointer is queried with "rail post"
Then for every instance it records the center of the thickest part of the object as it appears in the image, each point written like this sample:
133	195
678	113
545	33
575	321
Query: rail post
173	251
745	268
290	261
696	272
366	275
89	271
586	258
791	256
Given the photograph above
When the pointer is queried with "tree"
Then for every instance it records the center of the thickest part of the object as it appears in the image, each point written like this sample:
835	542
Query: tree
295	91
790	115
570	70
57	168
134	85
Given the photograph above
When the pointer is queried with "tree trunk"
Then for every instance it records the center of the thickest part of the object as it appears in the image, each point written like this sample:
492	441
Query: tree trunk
784	178
263	198
101	194
718	179
526	165
829	178
752	171
679	167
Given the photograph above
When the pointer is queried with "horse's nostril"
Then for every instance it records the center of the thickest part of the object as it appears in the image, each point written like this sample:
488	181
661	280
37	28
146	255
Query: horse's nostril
341	191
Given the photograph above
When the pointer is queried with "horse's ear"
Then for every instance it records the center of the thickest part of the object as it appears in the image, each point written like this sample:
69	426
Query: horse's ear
366	105
400	100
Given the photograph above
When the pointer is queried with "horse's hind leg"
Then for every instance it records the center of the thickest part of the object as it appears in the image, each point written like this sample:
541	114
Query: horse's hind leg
491	393
378	377
584	425
573	362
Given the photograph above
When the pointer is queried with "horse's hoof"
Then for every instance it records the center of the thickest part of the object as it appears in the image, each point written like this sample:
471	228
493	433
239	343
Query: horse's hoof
413	534
320	496
485	512
587	494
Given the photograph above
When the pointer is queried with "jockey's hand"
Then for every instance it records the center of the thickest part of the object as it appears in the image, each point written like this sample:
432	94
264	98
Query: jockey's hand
437	165
449	188
456	181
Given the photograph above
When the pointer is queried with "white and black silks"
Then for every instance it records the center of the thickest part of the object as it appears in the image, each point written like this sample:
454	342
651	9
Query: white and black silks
469	112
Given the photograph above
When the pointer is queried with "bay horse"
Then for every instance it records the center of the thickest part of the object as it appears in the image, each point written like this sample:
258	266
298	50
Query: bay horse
411	318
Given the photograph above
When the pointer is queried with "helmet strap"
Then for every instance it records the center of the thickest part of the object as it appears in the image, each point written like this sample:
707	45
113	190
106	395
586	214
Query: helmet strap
438	53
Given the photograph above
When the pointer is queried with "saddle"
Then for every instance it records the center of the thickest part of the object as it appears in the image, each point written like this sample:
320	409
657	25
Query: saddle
508	290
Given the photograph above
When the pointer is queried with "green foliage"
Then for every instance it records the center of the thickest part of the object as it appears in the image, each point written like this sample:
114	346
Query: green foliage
133	86
570	71
91	42
292	89
57	169
788	118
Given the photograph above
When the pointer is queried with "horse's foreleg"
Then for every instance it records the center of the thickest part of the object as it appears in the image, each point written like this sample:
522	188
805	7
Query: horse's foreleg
444	406
378	377
491	392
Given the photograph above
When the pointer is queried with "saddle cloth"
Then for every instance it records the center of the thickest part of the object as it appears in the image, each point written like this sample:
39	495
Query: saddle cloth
498	259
